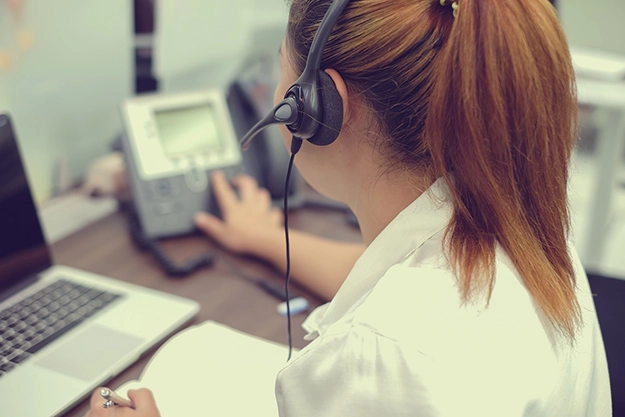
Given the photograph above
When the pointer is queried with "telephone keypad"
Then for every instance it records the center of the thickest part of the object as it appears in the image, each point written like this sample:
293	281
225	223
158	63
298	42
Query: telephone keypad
163	189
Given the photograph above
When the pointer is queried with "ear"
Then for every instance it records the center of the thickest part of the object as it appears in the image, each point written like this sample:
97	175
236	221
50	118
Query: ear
339	83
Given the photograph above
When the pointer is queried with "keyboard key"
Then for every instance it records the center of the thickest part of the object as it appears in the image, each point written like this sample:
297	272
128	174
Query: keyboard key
64	300
46	332
24	312
50	338
54	306
66	288
75	305
43	313
31	319
6	367
20	325
31	337
15	309
59	325
21	358
8	352
51	319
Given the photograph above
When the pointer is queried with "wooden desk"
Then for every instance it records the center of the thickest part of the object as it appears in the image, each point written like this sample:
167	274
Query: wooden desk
105	248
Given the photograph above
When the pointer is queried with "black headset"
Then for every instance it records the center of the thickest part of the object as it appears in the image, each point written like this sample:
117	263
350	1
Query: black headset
312	108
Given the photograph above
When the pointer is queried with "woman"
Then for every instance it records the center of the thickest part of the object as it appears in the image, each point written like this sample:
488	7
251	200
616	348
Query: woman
466	298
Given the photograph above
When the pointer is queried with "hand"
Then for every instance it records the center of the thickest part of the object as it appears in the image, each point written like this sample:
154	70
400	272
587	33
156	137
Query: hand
249	223
145	406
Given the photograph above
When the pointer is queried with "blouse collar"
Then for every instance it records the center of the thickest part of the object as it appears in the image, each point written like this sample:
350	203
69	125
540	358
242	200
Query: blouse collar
423	218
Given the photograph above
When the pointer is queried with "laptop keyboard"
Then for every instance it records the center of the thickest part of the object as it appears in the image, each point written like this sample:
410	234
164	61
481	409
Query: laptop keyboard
36	321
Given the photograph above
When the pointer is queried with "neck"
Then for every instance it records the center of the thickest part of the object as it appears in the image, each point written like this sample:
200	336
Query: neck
380	198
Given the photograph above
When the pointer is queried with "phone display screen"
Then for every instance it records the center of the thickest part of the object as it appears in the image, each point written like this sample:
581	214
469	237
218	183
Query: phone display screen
187	130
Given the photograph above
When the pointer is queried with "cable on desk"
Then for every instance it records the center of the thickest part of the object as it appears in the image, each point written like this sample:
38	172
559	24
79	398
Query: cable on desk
270	288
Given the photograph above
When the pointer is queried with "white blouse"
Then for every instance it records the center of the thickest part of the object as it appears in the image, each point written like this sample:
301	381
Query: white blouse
396	340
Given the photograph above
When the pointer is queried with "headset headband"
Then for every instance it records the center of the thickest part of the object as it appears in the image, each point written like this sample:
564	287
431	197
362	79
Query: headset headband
312	108
323	34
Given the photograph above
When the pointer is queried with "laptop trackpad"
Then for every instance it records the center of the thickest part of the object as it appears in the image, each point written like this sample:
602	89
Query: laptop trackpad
89	354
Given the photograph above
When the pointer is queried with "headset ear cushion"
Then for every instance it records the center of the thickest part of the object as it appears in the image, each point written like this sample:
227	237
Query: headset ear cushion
330	126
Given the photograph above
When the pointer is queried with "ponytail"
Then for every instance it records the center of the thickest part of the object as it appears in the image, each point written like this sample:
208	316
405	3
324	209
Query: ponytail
486	100
500	130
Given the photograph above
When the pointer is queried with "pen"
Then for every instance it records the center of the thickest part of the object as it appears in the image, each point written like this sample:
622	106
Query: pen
113	399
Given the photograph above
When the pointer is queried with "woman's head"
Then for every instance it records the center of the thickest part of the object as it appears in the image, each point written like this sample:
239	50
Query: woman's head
485	100
384	51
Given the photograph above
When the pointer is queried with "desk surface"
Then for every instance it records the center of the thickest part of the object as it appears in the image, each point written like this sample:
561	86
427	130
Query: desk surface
105	248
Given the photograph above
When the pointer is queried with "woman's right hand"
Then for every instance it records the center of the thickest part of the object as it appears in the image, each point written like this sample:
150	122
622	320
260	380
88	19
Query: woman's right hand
249	223
145	405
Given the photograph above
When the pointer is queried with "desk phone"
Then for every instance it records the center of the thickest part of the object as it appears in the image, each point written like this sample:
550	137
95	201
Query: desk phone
172	143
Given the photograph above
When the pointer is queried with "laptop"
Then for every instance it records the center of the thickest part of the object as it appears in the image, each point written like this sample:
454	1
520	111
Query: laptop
63	331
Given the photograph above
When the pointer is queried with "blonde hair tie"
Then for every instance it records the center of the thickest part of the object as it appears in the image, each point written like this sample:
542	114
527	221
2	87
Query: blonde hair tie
454	5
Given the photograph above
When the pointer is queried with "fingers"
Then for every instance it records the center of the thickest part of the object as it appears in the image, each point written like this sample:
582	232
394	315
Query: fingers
96	399
144	401
226	197
278	216
250	191
210	225
96	406
264	197
145	405
247	187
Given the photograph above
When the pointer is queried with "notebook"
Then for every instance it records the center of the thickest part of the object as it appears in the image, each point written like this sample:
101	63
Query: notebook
63	331
213	370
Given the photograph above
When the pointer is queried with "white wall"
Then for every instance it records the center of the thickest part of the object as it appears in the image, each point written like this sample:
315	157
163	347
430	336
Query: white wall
594	23
64	91
204	43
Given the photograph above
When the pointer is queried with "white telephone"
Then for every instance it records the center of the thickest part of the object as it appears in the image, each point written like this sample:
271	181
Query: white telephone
172	144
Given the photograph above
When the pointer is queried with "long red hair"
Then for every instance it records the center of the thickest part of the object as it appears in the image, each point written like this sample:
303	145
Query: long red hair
485	100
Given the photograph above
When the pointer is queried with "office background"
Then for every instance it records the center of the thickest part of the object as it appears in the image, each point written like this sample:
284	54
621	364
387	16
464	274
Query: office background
66	66
79	64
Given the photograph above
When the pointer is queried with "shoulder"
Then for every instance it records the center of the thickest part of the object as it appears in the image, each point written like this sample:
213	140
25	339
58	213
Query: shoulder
421	296
354	371
412	342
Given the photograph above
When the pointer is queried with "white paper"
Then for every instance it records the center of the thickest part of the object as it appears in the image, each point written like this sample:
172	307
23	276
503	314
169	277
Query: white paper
211	369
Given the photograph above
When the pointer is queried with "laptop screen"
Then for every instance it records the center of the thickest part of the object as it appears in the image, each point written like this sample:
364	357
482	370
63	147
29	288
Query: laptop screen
23	249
